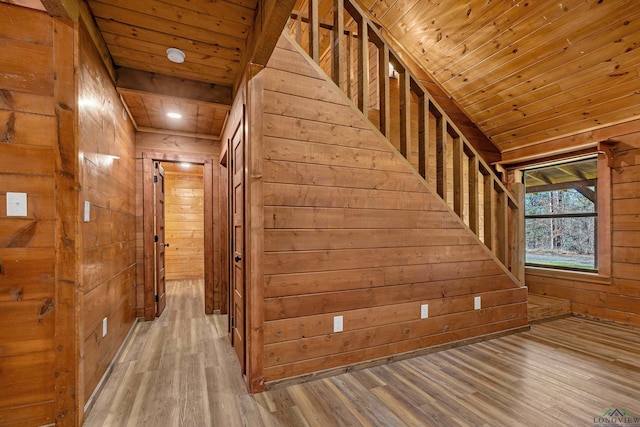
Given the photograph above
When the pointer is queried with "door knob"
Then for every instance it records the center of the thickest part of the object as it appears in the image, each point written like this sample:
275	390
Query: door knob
238	258
166	245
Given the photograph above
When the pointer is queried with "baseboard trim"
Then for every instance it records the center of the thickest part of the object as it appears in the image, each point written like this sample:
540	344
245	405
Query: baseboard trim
107	373
276	384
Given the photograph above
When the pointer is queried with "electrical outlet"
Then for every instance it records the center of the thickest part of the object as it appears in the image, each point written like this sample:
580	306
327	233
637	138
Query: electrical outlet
424	311
87	211
476	303
104	326
337	324
16	204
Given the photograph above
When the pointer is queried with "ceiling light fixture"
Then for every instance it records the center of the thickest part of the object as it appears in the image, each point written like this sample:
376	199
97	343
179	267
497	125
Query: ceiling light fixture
174	115
175	55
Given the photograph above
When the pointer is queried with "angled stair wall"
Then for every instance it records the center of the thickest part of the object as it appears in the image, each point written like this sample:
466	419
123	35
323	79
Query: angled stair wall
351	229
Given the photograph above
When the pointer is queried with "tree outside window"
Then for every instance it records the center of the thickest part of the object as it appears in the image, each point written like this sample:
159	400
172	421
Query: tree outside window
561	215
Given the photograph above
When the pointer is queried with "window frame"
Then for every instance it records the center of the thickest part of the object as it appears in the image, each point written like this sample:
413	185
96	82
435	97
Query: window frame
595	214
602	275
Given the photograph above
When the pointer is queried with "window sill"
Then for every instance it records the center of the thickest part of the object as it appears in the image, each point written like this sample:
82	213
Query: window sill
581	276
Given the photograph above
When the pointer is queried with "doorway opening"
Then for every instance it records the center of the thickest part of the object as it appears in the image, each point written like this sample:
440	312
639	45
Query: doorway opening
181	197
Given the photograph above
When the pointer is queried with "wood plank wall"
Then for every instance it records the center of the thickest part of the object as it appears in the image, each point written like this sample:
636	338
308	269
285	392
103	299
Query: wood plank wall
28	141
184	221
172	145
108	287
617	299
350	230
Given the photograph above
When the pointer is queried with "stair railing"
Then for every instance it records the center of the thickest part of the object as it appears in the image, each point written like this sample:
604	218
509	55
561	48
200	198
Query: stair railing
354	56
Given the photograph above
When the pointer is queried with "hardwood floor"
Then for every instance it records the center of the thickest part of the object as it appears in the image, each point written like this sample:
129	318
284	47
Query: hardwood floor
180	371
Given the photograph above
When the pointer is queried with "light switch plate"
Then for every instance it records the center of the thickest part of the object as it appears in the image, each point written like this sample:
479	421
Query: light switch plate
477	305
104	326
87	211
16	204
424	311
337	324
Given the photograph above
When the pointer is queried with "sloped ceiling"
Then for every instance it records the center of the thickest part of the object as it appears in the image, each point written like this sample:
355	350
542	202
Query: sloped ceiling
525	71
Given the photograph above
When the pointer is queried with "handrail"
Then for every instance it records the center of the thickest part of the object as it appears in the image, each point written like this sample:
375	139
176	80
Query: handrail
498	209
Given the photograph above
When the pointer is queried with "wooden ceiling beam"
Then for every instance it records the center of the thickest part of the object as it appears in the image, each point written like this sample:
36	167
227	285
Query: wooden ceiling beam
271	18
160	84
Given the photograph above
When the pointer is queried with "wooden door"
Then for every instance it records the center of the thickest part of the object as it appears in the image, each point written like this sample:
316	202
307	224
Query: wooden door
237	252
159	231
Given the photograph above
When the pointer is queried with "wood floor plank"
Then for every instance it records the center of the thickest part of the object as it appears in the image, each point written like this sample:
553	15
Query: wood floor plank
180	370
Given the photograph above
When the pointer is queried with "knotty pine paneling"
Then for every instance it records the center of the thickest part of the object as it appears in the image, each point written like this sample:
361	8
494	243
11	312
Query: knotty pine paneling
28	142
619	298
184	221
107	141
350	230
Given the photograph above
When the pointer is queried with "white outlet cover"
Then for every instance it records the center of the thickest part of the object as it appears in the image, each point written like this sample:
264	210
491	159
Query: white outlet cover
337	323
87	211
424	311
477	305
16	204
104	326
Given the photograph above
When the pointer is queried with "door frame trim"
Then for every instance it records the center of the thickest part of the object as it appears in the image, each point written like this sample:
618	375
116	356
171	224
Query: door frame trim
210	269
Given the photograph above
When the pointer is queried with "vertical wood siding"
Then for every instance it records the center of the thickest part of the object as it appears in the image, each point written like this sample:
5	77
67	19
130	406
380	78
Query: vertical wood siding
350	230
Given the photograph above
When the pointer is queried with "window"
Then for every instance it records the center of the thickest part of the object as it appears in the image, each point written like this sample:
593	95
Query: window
561	215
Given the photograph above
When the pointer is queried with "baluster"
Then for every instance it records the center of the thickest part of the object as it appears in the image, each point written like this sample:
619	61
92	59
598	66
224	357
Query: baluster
423	135
405	113
488	208
383	78
314	31
441	157
337	47
458	173
474	200
363	66
502	226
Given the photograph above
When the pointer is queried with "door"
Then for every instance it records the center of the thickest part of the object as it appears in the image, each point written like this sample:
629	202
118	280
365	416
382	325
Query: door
159	234
237	251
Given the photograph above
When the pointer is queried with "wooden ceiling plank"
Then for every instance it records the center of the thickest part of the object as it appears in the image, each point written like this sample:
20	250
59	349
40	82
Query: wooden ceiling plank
137	19
136	106
156	65
553	95
390	13
225	10
568	64
536	46
177	99
619	116
204	119
170	12
508	16
143	81
598	115
169	40
569	144
557	106
159	50
157	116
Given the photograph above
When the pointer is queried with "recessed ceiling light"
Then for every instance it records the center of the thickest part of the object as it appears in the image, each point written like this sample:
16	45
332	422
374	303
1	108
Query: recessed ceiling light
175	55
174	115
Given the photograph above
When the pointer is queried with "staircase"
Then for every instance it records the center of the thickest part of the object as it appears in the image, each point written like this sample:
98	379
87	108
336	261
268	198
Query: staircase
542	308
352	51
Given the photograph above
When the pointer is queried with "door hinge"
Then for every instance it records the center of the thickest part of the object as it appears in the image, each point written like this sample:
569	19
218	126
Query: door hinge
155	178
157	298
155	239
233	322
